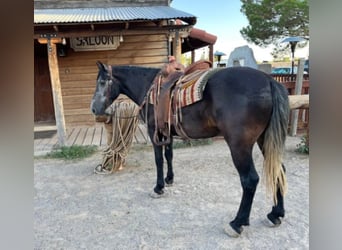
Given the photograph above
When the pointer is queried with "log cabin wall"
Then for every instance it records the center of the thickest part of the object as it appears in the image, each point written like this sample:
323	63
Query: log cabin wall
147	33
78	71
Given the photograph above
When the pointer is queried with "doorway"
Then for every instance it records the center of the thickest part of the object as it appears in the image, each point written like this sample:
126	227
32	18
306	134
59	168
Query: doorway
43	101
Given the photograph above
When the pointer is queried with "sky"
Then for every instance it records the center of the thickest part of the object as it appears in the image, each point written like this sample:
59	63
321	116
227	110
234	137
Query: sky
224	19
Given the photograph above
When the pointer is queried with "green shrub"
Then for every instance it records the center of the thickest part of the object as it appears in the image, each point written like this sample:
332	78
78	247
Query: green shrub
72	152
303	146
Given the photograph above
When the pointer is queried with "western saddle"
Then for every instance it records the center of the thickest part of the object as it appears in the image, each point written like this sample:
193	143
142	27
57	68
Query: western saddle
165	86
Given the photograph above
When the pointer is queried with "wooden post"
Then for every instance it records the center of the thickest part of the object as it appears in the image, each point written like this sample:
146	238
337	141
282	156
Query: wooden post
211	53
193	56
298	91
177	46
299	101
56	92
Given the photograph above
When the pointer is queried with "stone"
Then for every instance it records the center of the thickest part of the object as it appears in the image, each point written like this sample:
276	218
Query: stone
242	56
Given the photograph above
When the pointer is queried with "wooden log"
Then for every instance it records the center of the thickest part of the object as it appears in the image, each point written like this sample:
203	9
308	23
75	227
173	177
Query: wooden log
177	46
298	91
57	93
52	40
299	101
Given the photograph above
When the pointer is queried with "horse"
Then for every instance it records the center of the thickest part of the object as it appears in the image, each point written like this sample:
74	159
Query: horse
243	105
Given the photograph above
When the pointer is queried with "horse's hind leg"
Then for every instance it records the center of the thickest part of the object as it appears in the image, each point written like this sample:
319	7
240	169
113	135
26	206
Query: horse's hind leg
242	158
278	209
169	157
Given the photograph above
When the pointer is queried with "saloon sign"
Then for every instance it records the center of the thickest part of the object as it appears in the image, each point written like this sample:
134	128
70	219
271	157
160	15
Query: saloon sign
95	43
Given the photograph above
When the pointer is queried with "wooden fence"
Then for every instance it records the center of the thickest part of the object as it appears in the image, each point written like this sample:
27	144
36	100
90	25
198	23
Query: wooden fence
289	81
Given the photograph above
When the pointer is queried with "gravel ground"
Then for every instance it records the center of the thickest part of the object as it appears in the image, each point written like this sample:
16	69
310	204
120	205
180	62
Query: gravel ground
77	209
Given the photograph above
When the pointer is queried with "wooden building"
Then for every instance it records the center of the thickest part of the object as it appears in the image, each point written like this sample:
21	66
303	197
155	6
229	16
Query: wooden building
70	36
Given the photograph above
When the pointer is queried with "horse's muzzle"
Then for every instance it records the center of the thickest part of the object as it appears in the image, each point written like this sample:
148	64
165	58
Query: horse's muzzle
97	105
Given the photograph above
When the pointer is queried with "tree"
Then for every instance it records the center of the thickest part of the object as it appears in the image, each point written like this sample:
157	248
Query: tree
271	20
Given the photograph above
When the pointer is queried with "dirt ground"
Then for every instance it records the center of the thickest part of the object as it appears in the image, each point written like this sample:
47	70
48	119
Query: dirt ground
77	209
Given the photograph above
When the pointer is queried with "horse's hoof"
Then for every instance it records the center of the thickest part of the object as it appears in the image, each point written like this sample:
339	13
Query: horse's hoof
274	219
155	195
231	231
268	223
168	182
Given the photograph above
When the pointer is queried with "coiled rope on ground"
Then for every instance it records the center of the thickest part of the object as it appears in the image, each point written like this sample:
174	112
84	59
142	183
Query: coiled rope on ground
120	134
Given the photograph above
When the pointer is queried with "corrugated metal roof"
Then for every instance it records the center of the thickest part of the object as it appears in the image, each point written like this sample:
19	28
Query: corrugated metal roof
86	15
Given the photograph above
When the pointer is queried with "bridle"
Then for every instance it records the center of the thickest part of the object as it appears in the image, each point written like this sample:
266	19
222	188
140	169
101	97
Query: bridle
110	83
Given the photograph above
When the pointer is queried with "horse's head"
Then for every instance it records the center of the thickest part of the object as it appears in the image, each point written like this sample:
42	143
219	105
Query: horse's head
107	90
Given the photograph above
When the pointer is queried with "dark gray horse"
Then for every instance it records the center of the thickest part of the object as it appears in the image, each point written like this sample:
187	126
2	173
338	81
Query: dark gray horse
244	105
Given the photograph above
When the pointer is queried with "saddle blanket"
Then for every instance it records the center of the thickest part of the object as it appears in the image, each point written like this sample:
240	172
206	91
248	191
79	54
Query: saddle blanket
189	87
192	91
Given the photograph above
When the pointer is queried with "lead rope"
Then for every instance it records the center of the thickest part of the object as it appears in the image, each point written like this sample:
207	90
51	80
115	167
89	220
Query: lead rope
124	125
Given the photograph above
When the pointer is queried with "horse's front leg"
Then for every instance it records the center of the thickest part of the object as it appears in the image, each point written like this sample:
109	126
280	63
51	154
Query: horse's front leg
158	157
159	161
169	157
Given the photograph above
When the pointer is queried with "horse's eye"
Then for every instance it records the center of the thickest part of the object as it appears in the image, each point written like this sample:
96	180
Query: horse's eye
102	82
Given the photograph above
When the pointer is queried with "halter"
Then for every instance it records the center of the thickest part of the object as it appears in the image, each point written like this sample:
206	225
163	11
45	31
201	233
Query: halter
110	82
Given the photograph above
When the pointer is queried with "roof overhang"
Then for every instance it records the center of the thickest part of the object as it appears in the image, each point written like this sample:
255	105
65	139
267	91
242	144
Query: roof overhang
198	39
76	21
73	22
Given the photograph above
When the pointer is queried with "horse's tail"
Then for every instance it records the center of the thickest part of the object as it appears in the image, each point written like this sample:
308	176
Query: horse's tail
274	140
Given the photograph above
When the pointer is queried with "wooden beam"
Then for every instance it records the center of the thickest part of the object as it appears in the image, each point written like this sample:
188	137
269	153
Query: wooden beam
299	101
106	33
110	32
52	40
56	93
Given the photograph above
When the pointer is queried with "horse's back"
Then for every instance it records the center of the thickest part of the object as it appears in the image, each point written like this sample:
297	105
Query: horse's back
241	79
239	86
236	102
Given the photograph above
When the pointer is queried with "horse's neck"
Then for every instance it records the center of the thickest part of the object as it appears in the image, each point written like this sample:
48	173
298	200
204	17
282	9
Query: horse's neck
138	83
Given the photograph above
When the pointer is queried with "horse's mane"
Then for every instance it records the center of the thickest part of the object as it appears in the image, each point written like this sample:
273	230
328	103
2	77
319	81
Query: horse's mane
137	68
130	67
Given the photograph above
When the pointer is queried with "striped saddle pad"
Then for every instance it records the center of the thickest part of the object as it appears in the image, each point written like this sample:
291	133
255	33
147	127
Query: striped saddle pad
190	87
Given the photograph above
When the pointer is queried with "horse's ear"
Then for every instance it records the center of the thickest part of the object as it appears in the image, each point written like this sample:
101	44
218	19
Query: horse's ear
100	65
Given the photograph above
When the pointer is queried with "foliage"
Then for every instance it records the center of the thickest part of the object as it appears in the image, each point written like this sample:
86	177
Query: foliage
271	20
72	152
185	60
303	146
